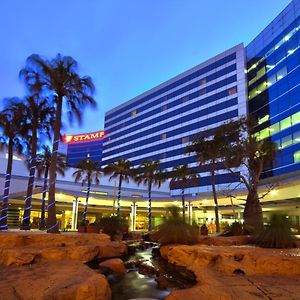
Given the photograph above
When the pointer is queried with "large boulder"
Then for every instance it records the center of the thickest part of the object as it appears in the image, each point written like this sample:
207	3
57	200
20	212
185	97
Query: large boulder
224	241
26	248
112	249
116	265
19	256
63	280
235	272
43	239
245	259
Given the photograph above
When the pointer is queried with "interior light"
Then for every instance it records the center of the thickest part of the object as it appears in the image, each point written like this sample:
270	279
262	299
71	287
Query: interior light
279	77
273	192
287	37
291	51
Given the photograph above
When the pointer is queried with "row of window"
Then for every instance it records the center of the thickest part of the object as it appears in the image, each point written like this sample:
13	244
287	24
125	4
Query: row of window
181	130
267	83
288	140
155	117
173	85
174	103
279	126
158	147
274	48
193	117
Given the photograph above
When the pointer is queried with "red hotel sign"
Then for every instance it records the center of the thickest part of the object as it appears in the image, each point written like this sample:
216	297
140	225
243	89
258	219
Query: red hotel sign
77	138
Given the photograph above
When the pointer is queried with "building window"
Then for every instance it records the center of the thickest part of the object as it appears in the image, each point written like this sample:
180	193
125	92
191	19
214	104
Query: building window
285	123
185	140
202	81
286	141
232	91
133	113
296	137
164	108
163	155
163	136
264	133
263	119
202	92
297	157
185	99
281	73
274	128
296	118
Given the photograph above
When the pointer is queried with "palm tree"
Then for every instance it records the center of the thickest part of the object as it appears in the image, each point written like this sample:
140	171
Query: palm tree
43	165
60	80
150	174
182	175
121	169
88	172
39	116
208	151
11	124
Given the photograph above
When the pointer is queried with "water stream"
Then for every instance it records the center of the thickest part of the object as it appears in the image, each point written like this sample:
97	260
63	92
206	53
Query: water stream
143	275
134	284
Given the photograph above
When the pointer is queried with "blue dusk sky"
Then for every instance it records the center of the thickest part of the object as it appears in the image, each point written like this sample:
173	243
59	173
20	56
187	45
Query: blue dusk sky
126	46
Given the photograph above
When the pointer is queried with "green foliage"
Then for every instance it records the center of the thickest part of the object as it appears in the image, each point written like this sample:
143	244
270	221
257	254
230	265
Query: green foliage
93	224
233	229
113	225
83	223
277	234
175	231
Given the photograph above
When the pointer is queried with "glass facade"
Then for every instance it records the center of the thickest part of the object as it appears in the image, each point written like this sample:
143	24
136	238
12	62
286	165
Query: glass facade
83	150
273	71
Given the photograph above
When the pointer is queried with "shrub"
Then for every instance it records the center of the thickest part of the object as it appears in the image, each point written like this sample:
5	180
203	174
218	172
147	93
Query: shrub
234	229
113	226
277	235
175	231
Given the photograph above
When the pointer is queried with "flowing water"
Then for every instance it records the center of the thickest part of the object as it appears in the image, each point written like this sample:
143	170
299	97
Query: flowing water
135	285
149	278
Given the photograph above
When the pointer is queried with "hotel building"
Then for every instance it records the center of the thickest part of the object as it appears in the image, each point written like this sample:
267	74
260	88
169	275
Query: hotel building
161	122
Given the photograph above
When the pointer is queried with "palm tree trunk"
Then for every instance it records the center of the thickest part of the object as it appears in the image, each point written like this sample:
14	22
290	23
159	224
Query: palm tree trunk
27	205
87	200
213	185
183	205
253	216
149	206
45	187
3	218
119	196
52	223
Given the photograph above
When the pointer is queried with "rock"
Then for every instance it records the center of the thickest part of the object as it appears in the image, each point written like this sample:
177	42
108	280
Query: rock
147	269
104	270
63	280
135	235
131	249
112	249
115	264
267	273
16	257
43	239
251	260
224	241
131	264
156	251
26	255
